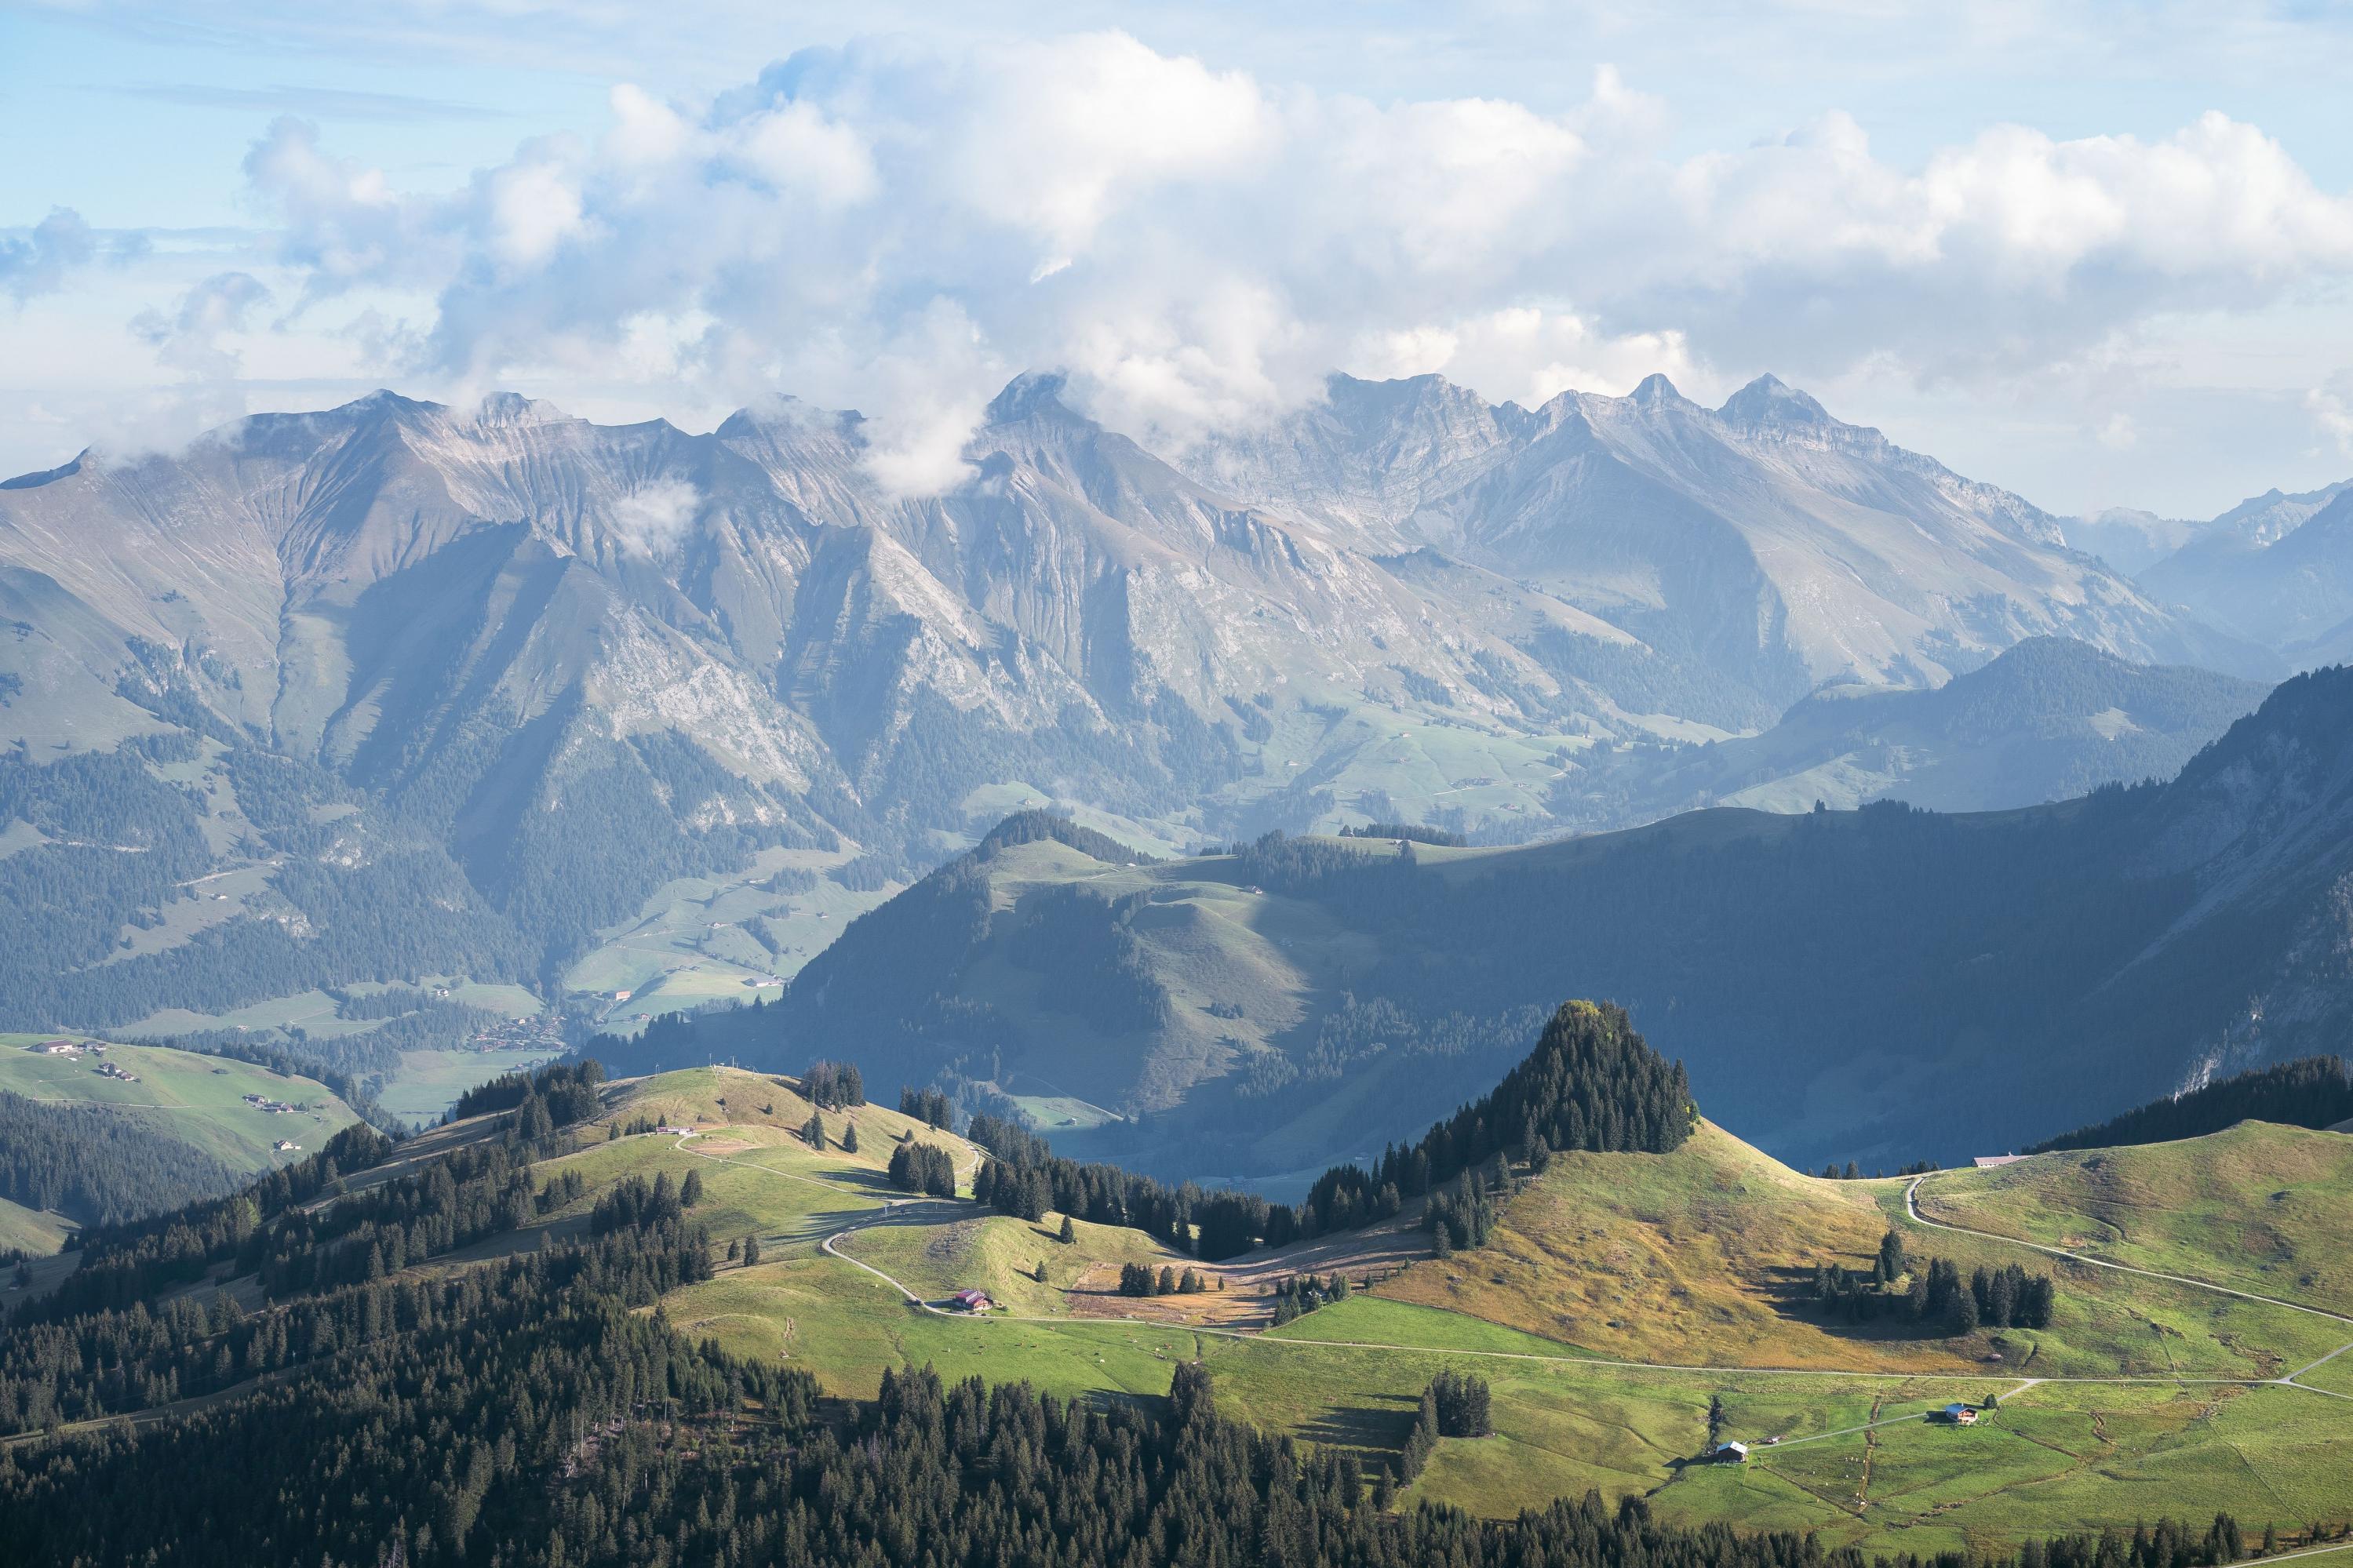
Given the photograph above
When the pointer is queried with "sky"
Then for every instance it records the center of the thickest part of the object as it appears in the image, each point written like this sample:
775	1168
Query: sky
2098	253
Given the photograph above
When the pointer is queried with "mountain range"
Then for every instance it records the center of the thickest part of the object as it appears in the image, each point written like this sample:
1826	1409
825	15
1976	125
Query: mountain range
1884	984
397	690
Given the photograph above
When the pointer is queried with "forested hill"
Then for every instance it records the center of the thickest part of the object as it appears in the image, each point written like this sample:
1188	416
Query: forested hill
1884	984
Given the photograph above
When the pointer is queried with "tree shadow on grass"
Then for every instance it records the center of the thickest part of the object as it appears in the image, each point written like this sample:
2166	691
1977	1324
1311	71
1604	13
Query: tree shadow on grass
1379	1427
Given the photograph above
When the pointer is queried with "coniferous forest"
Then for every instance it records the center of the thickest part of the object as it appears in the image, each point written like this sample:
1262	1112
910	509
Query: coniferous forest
1590	1083
2313	1092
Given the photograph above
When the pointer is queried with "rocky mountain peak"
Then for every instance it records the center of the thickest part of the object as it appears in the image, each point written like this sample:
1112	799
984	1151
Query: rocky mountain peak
1656	391
1032	395
1769	400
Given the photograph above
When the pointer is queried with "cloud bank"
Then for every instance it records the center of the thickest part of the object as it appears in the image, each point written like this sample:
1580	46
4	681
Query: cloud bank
901	230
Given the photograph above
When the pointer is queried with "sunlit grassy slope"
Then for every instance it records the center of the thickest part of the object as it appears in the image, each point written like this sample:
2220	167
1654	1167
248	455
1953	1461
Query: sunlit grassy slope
1703	1258
1689	1253
2261	1207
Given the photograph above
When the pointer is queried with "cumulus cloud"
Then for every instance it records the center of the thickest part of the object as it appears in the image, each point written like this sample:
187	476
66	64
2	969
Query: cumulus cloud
37	261
899	229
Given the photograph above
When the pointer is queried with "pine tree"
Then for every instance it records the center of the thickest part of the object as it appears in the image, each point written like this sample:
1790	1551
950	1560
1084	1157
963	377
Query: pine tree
813	1134
690	1193
1070	1232
751	1251
850	1139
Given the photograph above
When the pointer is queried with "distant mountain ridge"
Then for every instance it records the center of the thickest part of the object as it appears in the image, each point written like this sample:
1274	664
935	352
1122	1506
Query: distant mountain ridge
2050	719
406	689
1884	984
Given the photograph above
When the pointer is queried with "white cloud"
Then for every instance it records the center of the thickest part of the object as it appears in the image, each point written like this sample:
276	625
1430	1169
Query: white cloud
900	230
653	519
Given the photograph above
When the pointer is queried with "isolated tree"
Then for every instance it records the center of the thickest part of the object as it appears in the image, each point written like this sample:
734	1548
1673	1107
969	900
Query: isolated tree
751	1250
850	1139
1039	1273
734	1252
813	1134
1070	1232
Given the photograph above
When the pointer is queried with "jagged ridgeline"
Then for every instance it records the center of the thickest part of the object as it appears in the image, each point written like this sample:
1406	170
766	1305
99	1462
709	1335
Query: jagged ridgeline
1591	1083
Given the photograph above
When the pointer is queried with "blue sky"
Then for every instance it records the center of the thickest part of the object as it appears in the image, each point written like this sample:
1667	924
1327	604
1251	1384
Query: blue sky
2097	253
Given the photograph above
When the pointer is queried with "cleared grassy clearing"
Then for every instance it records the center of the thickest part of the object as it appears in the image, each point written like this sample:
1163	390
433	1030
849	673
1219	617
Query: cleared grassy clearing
34	1231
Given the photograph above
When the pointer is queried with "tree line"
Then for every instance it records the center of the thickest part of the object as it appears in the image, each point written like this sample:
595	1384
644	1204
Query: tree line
2313	1092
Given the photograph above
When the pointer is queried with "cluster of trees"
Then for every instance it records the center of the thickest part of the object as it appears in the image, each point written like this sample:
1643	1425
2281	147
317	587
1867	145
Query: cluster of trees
123	1263
1591	1082
1462	1218
1023	1177
1411	832
1930	1291
566	1092
2315	1091
929	1106
1454	1404
1138	1280
98	1166
923	1168
1303	1293
634	1203
836	1085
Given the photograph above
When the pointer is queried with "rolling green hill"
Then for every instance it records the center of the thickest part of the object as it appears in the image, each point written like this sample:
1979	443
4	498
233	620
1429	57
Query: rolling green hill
1621	1295
86	1147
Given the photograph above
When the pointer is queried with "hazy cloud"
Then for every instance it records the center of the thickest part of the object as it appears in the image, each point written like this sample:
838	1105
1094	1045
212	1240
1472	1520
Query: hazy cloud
36	260
319	102
653	520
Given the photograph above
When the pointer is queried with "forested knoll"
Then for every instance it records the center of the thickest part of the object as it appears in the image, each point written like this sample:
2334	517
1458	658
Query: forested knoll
1884	984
